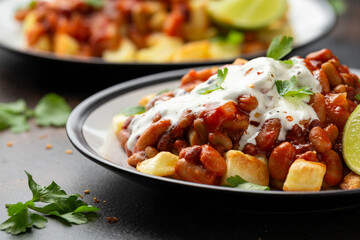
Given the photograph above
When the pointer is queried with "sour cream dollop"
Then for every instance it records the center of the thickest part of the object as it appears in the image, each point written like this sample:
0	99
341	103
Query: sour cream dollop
257	78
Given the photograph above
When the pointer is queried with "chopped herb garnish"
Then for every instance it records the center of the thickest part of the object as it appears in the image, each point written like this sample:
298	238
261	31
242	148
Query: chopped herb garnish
288	88
233	37
221	75
339	6
32	4
280	47
67	207
163	91
357	97
131	111
52	109
14	116
288	62
238	182
95	3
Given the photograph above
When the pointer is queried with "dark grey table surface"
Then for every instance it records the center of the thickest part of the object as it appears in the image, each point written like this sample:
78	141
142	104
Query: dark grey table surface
143	213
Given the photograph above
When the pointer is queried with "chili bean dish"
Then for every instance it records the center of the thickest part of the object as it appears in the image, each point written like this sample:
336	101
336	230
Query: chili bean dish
139	30
241	122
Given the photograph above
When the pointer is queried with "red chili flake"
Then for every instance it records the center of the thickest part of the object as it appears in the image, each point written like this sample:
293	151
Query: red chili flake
289	118
254	123
259	73
112	219
248	71
251	85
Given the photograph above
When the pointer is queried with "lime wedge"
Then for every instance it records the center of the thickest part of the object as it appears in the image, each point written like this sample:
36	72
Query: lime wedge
246	14
351	141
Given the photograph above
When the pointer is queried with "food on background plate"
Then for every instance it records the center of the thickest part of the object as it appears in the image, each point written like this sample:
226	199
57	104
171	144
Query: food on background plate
251	124
153	30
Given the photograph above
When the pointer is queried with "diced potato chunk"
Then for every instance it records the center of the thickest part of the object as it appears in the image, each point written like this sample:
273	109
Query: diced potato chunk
117	122
351	181
163	164
43	43
240	61
64	44
249	168
146	99
161	49
220	50
193	51
305	176
125	52
29	22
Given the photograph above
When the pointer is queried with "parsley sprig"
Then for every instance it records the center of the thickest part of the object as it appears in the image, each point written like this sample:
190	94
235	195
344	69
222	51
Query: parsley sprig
50	110
66	207
131	111
221	75
287	88
238	182
280	47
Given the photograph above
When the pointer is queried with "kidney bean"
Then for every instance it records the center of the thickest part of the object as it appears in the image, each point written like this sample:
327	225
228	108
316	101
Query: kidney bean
268	134
191	153
127	122
334	60
317	101
247	102
334	168
220	139
332	131
340	88
152	134
352	106
296	135
320	139
337	109
201	129
151	152
194	138
164	143
322	55
239	123
343	69
186	119
157	117
212	161
332	74
123	136
347	78
250	149
323	80
308	156
179	145
280	160
189	171
137	157
215	117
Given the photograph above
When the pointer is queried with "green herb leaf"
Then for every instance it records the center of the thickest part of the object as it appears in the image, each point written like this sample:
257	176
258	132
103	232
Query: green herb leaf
288	62
163	91
280	47
339	6
52	109
238	182
62	205
221	75
357	97
233	37
288	88
21	219
95	3
131	111
32	4
13	116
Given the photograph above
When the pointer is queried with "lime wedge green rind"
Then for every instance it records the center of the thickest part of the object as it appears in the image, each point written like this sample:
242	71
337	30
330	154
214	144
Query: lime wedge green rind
246	14
351	141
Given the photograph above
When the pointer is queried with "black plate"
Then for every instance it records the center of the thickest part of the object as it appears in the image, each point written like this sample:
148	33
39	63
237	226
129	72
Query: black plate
89	130
310	20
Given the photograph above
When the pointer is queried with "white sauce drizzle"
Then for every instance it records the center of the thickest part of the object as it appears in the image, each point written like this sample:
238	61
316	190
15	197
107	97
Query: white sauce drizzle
259	82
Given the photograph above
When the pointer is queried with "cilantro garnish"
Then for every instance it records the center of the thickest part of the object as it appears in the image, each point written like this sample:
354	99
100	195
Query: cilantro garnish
52	110
130	111
215	86
163	91
280	47
14	116
95	3
233	37
64	206
357	97
288	62
238	182
288	88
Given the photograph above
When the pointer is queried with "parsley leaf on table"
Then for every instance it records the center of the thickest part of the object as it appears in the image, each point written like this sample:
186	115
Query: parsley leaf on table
61	205
279	47
221	75
288	88
52	109
238	182
14	116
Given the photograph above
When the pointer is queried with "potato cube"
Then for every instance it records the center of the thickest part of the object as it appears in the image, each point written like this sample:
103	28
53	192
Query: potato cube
351	181
125	52
163	164
193	51
146	99
117	122
249	168
66	45
305	176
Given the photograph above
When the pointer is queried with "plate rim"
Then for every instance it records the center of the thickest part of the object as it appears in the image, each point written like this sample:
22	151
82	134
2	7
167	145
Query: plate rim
98	61
81	112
